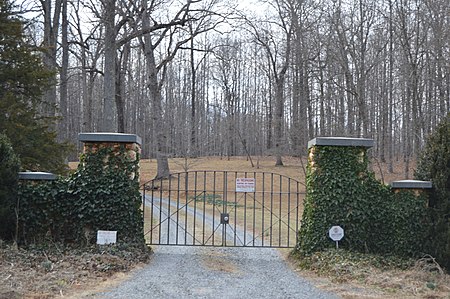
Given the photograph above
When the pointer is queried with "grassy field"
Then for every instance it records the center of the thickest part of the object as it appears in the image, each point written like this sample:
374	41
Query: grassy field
293	167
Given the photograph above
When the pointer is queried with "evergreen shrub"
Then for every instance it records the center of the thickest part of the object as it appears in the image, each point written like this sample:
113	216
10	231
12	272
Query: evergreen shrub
23	81
9	168
434	165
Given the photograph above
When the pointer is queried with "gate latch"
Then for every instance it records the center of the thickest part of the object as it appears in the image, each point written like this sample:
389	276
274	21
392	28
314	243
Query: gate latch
224	218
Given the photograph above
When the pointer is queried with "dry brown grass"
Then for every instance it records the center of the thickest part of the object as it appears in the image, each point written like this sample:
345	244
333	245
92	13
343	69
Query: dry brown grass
293	167
357	275
373	282
58	270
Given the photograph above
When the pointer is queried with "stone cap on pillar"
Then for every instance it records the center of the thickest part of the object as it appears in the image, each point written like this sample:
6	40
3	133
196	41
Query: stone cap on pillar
109	137
36	176
341	141
411	184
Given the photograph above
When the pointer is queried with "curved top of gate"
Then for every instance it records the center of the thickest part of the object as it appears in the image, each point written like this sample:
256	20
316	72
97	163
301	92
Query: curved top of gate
246	175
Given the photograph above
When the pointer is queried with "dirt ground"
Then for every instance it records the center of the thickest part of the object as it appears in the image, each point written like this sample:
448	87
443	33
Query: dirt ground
374	283
71	273
58	271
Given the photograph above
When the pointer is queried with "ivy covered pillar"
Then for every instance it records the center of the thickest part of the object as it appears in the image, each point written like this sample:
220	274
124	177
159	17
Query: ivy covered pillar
356	146
340	190
109	174
336	170
31	208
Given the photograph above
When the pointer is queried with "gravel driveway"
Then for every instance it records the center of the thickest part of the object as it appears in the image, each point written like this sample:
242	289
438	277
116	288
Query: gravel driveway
210	272
214	272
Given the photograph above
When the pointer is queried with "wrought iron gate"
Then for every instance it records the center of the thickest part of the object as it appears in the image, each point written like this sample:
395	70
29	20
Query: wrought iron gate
220	208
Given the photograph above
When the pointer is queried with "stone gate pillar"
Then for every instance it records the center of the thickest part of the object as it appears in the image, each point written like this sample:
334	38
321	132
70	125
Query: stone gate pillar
119	218
414	185
361	143
95	141
334	164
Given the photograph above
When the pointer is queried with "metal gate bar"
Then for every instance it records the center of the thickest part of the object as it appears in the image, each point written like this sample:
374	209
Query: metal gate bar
190	208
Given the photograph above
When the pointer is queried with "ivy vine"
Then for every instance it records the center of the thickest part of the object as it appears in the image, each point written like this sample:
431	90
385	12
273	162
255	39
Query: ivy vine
102	194
341	191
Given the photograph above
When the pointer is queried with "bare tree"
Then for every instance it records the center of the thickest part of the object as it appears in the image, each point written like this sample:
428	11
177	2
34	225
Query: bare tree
52	15
109	68
186	14
361	68
411	39
226	65
278	59
63	126
86	50
304	21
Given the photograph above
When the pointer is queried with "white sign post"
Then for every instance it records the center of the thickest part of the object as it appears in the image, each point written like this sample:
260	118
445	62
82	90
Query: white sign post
105	237
245	184
336	234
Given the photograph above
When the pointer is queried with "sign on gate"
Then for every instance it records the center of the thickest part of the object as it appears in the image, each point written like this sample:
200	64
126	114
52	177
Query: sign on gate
245	185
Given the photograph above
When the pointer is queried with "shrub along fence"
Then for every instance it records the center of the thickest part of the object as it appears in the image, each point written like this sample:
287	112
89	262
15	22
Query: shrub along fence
341	191
102	194
434	164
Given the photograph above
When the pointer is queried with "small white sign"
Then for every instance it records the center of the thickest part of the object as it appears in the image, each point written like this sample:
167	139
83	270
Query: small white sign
245	184
105	237
336	233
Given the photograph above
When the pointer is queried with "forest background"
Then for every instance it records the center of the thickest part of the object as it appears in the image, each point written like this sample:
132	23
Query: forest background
226	78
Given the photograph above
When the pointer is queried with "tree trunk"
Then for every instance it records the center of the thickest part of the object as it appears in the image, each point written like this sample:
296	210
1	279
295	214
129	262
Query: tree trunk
156	105
109	97
51	28
269	116
278	120
391	93
296	131
63	101
122	65
87	100
361	97
193	145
